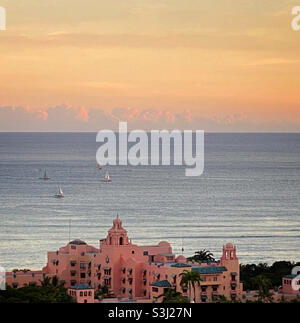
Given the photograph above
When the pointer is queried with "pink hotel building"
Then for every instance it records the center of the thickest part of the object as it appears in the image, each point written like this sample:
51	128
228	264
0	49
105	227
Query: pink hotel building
141	273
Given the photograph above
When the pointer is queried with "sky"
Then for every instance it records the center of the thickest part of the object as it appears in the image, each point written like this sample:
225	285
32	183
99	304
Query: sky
217	65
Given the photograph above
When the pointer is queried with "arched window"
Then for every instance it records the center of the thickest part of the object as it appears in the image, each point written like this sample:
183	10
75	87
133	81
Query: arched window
121	241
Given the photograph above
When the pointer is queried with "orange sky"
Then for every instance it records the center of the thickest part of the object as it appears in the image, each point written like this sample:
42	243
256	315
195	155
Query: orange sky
218	65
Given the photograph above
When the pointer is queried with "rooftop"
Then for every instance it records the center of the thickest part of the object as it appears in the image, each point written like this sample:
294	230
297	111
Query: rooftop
289	276
77	242
81	286
209	269
179	265
162	283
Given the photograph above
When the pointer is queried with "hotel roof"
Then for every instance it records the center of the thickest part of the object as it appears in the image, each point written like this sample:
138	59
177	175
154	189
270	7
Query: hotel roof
179	265
289	276
81	286
77	242
209	269
162	283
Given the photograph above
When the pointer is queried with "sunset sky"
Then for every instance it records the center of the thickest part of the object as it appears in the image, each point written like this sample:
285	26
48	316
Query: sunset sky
217	65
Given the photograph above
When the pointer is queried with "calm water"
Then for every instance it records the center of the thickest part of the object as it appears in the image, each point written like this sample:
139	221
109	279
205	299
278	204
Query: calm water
248	195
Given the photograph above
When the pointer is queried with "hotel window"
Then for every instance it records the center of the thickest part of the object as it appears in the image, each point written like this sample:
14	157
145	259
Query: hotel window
215	288
107	271
203	288
73	263
82	266
85	293
73	282
107	281
15	285
154	289
215	279
81	294
145	253
90	293
73	247
82	275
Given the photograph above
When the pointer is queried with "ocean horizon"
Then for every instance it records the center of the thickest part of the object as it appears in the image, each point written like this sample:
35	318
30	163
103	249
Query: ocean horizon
247	195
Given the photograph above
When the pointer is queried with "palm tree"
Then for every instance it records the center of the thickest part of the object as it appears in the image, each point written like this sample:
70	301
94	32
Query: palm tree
171	296
189	279
264	285
55	281
202	255
46	282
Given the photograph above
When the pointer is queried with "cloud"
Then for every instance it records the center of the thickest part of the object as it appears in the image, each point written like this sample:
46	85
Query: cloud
83	114
67	118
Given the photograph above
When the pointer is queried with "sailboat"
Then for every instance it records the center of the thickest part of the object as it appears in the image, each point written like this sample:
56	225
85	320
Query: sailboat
45	177
107	177
60	193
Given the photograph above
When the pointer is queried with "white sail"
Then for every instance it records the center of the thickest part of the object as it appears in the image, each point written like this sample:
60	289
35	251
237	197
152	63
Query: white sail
45	176
107	177
60	192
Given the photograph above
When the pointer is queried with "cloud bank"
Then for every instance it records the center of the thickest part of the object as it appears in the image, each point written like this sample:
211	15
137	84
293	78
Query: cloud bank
66	118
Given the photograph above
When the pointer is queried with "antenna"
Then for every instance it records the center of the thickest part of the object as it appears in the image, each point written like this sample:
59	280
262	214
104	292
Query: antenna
69	230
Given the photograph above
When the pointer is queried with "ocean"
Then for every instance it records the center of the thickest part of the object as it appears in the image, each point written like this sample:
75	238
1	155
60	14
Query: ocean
247	195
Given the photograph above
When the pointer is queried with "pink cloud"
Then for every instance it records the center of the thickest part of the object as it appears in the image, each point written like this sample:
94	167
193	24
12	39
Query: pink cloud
42	114
83	114
188	115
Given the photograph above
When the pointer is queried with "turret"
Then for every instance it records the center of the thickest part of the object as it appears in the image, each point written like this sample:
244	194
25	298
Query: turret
117	235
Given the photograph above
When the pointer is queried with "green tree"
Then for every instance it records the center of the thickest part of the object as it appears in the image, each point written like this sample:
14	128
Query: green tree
202	256
103	292
190	279
171	296
46	293
264	286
